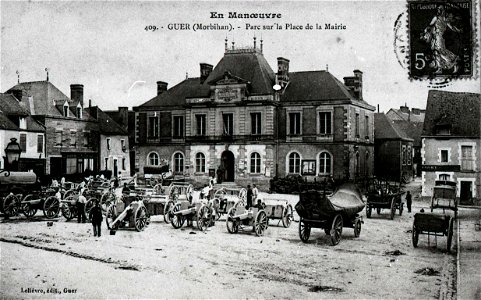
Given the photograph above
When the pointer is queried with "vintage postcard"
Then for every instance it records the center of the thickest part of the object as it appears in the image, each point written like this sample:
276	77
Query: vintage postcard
240	149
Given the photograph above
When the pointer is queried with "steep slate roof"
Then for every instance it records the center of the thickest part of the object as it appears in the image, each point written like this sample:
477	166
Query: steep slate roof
107	125
460	110
412	129
175	96
6	124
418	118
9	105
315	85
250	66
384	129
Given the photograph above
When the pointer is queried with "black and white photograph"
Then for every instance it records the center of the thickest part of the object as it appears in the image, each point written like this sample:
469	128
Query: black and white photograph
240	149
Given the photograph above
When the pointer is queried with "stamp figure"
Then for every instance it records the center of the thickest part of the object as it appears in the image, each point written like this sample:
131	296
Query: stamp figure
440	35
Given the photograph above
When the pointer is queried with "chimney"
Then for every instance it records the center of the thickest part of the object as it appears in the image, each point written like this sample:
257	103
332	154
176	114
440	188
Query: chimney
354	83
416	111
161	87
17	94
94	112
404	109
124	116
205	70
77	93
283	71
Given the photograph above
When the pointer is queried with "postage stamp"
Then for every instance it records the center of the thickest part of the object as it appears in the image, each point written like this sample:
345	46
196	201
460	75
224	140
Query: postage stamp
440	39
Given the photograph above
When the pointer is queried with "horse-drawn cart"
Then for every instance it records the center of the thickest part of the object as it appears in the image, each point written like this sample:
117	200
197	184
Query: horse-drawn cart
382	194
444	196
330	212
433	225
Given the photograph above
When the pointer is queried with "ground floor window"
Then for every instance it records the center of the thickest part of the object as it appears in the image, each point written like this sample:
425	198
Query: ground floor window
294	163
200	163
444	177
325	163
255	163
178	163
153	159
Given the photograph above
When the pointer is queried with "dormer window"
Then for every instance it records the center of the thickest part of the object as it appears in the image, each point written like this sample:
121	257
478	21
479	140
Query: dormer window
65	109
22	123
79	111
444	129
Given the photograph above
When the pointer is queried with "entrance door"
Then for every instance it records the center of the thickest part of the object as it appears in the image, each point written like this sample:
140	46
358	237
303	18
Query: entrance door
465	193
227	166
116	168
56	167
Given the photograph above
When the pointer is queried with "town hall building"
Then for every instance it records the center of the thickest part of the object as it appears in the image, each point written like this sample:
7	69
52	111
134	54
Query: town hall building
244	123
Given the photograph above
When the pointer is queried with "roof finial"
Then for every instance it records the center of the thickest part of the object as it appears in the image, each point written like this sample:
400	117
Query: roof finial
18	76
327	68
254	42
262	45
46	70
233	45
226	43
186	75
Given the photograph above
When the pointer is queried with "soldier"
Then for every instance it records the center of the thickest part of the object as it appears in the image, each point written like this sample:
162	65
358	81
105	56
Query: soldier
249	196
96	217
255	193
81	207
408	200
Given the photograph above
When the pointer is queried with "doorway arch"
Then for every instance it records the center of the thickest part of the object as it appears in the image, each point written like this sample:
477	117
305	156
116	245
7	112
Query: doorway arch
227	166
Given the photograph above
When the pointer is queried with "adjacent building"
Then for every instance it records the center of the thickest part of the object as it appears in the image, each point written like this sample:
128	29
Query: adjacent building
393	149
451	141
16	122
242	122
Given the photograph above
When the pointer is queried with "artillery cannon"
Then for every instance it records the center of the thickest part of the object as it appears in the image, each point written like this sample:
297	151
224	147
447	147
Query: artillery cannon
225	198
239	217
279	210
200	211
128	212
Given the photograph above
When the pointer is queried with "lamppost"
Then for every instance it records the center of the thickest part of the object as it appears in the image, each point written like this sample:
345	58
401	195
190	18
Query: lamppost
12	156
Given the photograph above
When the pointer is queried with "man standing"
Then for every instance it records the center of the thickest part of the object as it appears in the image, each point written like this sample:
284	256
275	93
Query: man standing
249	196
255	193
81	207
408	200
96	217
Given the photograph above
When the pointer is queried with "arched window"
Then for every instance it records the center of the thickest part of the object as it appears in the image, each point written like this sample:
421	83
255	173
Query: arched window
178	162
294	163
444	177
325	162
153	159
200	163
255	162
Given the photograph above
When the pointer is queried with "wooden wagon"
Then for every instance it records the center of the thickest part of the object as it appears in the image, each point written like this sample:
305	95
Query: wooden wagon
444	196
433	225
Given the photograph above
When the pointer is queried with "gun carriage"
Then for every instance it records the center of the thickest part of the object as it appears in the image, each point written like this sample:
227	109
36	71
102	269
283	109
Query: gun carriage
330	212
382	194
225	198
279	210
239	217
127	212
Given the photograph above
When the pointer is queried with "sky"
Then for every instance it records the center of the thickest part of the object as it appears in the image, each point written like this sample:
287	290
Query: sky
105	47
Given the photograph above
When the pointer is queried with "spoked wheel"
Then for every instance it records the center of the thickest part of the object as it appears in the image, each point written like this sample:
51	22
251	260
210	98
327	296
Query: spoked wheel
287	216
28	209
88	207
243	194
168	211
415	236
368	211
304	230
69	211
231	223
393	207
69	193
450	234
141	218
378	210
158	189
204	218
110	217
107	199
177	219
260	224
401	208
357	228
336	230
11	204
51	207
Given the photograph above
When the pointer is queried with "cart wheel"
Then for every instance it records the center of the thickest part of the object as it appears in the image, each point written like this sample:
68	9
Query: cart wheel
450	234
357	228
260	224
231	223
88	207
287	216
51	207
243	194
378	210
65	209
28	209
368	211
177	219
393	207
11	205
415	236
204	217
168	211
141	218
304	230
336	230
110	217
69	193
401	208
107	198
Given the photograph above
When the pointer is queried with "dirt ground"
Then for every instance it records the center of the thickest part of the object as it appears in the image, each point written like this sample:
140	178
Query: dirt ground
163	262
